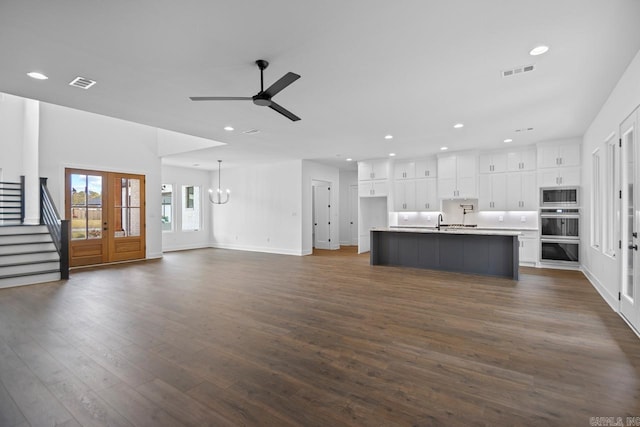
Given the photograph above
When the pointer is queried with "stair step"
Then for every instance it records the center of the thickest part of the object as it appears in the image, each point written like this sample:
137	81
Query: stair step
30	247
30	242
29	257
30	279
22	229
14	270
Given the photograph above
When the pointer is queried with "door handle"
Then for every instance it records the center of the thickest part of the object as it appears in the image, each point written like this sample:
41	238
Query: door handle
634	247
635	234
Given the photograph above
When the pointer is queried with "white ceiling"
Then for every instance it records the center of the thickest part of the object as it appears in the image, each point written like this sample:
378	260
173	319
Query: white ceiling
412	68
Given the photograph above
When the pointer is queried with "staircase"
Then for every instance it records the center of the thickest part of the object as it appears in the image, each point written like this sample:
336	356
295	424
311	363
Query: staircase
30	253
27	255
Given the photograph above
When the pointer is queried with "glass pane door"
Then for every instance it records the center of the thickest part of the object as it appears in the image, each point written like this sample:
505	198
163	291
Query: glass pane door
86	207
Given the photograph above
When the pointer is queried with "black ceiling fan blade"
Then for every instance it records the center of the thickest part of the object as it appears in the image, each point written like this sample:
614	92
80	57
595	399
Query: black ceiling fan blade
280	109
284	81
220	98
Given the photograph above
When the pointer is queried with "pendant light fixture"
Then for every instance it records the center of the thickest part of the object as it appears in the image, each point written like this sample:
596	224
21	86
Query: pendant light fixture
218	199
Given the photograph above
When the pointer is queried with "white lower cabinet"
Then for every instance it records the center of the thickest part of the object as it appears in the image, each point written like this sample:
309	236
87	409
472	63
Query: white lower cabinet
529	244
373	188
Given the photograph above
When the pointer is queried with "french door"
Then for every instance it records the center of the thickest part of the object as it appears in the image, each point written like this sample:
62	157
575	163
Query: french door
630	159
107	213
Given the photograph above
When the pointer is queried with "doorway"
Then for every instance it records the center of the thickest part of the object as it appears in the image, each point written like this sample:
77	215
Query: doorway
630	259
107	213
321	214
353	215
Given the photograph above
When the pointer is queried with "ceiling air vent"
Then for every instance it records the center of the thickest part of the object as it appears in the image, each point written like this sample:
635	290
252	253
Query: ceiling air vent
82	83
519	70
251	131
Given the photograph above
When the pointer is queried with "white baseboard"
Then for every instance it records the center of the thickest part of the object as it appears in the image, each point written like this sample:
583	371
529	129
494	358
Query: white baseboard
154	255
279	251
185	247
612	300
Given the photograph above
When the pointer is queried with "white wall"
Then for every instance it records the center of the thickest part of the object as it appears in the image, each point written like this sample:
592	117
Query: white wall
316	171
264	213
178	239
347	178
11	135
602	270
78	139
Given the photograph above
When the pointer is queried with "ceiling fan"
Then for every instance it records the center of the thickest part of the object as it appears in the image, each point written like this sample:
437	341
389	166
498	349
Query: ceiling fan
262	98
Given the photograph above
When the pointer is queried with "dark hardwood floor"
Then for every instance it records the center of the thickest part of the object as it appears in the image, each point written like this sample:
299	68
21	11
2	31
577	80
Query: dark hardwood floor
227	338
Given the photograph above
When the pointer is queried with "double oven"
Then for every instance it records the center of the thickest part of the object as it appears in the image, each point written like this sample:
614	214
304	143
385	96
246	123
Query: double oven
560	225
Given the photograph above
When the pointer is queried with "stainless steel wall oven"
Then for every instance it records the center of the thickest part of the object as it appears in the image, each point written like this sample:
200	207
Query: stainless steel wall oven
560	235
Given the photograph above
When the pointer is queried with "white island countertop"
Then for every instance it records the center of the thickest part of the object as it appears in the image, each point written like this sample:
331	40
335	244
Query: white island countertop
450	230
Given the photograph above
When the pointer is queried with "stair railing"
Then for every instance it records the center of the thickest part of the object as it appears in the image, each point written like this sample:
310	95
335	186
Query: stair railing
58	228
12	202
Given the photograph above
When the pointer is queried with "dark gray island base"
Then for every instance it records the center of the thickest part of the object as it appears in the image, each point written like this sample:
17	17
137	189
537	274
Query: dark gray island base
477	251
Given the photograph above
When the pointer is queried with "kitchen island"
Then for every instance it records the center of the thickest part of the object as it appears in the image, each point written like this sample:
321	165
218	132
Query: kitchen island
463	250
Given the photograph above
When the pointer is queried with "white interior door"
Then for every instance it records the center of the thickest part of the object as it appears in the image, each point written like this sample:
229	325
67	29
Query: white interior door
322	215
630	289
353	215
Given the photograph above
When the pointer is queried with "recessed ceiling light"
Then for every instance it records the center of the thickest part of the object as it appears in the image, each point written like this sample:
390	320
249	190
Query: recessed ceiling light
444	148
458	125
349	159
392	154
539	50
37	76
228	128
388	137
508	140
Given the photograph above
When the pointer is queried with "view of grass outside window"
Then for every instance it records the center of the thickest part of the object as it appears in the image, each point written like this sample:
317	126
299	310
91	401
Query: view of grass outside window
190	208
86	207
167	207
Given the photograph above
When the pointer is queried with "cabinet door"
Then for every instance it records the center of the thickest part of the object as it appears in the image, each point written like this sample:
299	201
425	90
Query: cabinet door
380	188
499	162
485	163
514	191
529	192
548	178
521	160
426	168
569	176
547	156
528	250
569	155
447	188
447	168
426	195
404	170
466	169
380	169
365	189
405	196
484	193
499	191
365	171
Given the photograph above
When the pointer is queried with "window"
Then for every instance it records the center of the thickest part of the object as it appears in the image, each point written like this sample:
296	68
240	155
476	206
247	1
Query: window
190	208
167	207
596	200
610	223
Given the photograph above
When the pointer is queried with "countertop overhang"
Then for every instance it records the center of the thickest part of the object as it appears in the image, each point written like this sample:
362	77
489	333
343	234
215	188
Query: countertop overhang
445	230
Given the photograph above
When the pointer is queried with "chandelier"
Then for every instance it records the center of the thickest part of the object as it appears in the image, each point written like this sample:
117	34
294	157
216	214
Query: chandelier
218	199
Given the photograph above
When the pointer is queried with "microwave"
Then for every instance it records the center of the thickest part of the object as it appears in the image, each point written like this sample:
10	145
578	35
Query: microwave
559	196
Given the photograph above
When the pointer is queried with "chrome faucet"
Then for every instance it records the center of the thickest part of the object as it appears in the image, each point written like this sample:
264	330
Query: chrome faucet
440	218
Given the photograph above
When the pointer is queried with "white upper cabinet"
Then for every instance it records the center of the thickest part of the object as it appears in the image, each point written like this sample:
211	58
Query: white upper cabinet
426	168
405	196
522	192
493	162
559	177
558	155
378	188
493	192
373	169
427	195
457	176
404	170
521	160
